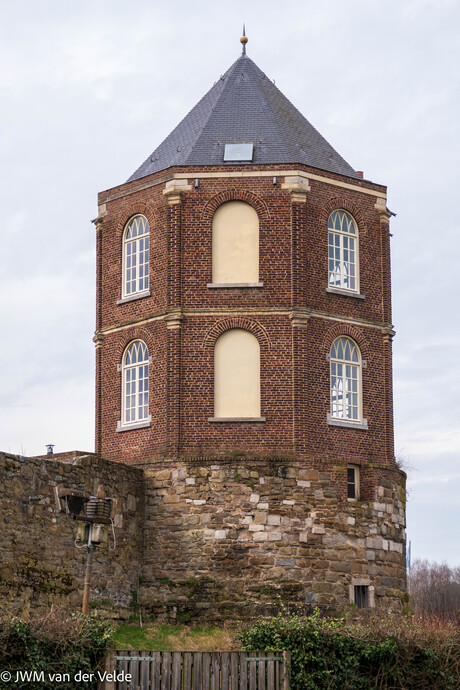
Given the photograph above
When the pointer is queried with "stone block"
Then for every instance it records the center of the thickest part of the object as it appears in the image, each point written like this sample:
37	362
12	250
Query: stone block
288	502
275	536
172	498
262	506
260	517
273	519
190	480
285	562
256	528
319	529
254	498
162	475
310	475
221	534
303	483
303	537
260	536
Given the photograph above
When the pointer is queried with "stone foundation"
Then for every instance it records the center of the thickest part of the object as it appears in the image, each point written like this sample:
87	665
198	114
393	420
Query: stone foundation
204	539
226	540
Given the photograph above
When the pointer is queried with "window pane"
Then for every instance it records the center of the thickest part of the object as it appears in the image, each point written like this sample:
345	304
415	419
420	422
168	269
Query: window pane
136	256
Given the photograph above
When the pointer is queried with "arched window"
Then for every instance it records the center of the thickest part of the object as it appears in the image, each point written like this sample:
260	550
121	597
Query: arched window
235	244
343	251
237	375
136	257
135	386
346	387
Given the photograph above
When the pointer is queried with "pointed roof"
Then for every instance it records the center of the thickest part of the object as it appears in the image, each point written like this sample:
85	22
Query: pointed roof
244	106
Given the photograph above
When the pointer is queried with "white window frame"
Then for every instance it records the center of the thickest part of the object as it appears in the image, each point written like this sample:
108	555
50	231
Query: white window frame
342	236
135	375
132	247
345	382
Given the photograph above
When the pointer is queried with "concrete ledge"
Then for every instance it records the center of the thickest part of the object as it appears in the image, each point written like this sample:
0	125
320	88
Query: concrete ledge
236	419
345	293
137	295
135	425
234	285
332	421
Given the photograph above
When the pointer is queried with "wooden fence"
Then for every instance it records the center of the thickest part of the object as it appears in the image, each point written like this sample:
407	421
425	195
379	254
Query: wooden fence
197	671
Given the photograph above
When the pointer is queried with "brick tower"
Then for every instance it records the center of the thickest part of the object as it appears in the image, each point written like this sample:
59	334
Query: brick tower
244	361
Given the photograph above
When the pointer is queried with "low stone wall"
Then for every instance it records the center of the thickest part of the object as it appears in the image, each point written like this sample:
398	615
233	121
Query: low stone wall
202	539
223	540
39	563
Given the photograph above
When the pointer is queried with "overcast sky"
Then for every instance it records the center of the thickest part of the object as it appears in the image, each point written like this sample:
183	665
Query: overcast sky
89	89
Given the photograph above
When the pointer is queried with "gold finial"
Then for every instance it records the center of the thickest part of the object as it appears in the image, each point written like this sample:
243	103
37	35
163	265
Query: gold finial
244	40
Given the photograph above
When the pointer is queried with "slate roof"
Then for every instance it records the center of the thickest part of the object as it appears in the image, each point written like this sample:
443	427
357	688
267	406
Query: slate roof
244	106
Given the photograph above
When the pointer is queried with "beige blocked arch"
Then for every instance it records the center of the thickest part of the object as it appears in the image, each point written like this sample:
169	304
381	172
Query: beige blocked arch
235	243
237	375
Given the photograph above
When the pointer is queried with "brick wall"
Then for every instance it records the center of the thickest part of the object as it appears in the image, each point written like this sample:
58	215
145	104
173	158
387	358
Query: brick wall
294	366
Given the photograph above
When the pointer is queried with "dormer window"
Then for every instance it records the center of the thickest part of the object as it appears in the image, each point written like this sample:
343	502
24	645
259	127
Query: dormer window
238	152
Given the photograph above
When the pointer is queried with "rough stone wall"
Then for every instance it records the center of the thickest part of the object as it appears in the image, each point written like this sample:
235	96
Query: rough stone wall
223	540
39	563
213	540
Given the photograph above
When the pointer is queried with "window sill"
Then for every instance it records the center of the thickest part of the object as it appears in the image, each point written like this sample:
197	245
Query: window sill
136	295
334	421
236	419
142	424
345	293
234	285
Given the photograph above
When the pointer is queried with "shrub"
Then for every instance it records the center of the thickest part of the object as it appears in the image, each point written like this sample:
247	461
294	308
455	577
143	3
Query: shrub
56	644
367	655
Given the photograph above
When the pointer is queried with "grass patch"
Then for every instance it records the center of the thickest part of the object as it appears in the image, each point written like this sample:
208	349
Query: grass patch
174	638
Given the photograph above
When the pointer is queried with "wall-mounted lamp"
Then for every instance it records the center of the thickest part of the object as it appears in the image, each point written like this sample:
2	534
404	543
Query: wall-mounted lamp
197	183
274	180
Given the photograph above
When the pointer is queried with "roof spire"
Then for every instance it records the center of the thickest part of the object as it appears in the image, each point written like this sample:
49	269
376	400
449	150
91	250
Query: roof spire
243	40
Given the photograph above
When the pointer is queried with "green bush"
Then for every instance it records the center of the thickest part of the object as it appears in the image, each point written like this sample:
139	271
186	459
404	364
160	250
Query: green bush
395	653
57	644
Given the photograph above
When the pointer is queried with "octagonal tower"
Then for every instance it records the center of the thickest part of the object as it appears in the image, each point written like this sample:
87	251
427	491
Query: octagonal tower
244	361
